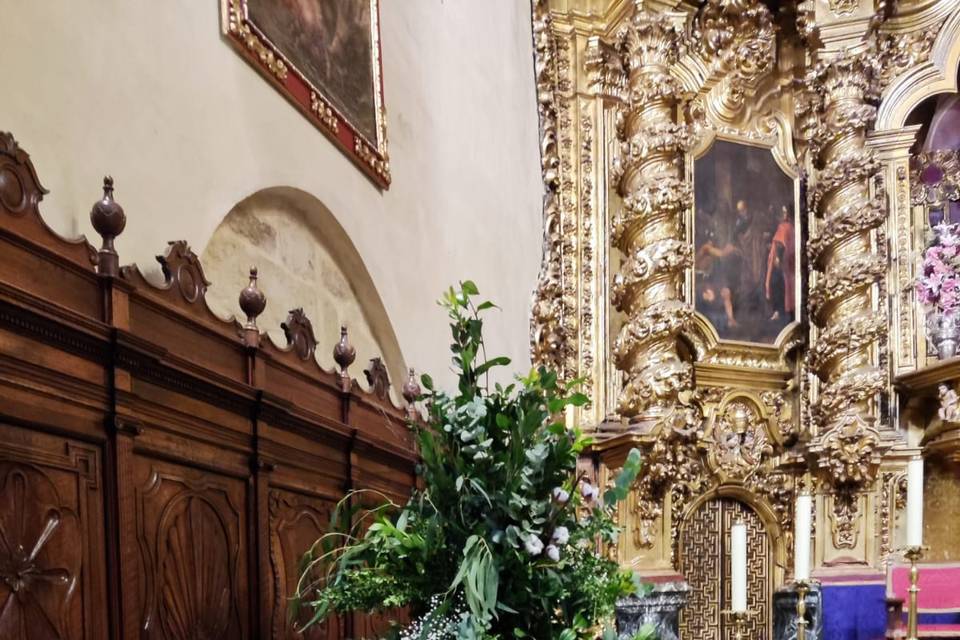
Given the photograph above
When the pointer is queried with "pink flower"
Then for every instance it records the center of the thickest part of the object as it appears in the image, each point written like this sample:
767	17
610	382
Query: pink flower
939	284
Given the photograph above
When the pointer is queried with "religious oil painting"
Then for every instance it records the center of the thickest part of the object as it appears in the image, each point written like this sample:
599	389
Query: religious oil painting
745	238
324	55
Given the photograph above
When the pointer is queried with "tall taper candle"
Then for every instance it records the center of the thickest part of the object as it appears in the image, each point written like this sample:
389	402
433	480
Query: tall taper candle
915	502
801	538
738	558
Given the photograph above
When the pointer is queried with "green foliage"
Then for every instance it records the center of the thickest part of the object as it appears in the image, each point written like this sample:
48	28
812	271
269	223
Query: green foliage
504	538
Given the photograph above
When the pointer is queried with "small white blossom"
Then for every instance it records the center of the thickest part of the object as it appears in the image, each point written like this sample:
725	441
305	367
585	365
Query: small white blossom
553	553
561	535
533	545
589	492
560	495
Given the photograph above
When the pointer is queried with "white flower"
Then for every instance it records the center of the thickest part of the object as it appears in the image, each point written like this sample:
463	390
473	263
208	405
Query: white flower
466	435
589	492
553	553
561	535
560	495
533	545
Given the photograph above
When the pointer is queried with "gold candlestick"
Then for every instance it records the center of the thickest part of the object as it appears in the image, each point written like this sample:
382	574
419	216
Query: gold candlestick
802	589
913	554
739	619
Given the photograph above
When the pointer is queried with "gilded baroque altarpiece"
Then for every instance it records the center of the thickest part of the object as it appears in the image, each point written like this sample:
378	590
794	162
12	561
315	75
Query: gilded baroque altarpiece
633	95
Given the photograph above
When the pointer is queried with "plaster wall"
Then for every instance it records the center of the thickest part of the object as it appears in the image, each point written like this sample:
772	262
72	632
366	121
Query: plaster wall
151	93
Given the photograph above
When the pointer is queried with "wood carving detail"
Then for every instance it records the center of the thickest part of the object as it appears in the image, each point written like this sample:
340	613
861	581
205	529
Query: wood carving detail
182	268
20	188
299	332
295	523
40	558
377	378
189	532
20	196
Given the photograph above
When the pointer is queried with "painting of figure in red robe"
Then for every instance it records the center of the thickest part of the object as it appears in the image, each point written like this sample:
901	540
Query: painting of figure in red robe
745	239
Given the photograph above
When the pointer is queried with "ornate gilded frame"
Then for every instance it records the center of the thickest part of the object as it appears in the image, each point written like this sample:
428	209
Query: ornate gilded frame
369	155
829	389
710	348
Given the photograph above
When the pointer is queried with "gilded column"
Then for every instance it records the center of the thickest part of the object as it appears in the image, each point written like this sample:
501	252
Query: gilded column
847	252
649	229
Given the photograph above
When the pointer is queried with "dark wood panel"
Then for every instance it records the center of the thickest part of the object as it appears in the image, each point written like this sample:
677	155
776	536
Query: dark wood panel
191	528
162	470
296	521
52	562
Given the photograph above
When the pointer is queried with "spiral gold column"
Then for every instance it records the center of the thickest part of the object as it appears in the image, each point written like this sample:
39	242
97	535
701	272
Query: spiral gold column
847	253
649	229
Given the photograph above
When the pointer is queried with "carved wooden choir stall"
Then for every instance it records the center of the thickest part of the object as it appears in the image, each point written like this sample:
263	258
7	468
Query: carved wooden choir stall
163	470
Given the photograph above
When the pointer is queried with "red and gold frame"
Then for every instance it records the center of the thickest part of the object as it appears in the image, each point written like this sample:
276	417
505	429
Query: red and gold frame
370	155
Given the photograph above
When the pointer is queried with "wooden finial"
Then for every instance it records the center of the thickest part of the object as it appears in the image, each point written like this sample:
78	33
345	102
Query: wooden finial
411	392
108	220
252	302
344	354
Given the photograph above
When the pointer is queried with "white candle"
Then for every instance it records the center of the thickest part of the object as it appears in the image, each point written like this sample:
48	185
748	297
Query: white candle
570	416
738	544
801	538
915	502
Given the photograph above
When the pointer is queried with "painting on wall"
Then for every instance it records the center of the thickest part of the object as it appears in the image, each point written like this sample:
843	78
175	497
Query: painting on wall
746	243
324	56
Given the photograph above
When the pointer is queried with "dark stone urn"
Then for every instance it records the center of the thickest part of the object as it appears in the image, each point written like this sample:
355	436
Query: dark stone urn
660	608
785	613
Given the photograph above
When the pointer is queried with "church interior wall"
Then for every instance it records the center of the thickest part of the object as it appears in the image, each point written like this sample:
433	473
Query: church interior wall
152	94
303	252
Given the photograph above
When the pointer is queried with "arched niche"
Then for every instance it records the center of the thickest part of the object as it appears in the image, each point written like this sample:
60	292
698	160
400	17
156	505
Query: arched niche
305	259
936	75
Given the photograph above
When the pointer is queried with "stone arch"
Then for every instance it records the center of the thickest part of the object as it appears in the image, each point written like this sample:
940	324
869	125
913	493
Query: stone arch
305	259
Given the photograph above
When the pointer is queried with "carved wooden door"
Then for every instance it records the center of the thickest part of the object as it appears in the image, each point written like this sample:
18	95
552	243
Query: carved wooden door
704	554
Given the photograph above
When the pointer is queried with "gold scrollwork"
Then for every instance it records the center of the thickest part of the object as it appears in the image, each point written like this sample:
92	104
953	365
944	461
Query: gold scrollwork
849	261
550	344
237	24
649	229
324	112
367	155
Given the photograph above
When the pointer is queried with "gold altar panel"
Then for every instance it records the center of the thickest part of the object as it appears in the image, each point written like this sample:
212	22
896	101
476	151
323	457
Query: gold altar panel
705	563
942	498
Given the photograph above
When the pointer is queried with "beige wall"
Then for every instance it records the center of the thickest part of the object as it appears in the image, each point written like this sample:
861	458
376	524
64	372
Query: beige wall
303	252
151	93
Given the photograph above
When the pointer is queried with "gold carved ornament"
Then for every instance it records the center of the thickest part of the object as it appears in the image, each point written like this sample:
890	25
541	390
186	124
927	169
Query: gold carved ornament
648	230
847	256
551	342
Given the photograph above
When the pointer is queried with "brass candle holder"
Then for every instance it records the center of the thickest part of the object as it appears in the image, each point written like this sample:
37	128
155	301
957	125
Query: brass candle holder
803	588
913	554
739	619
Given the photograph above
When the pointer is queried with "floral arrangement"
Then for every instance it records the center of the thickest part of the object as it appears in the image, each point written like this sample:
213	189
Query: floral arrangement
504	538
938	287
